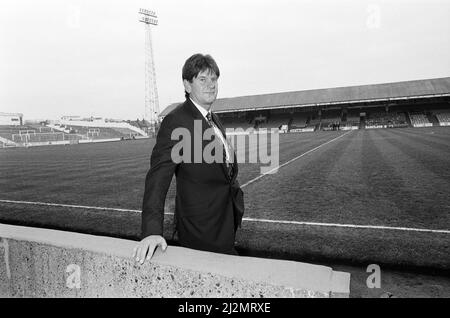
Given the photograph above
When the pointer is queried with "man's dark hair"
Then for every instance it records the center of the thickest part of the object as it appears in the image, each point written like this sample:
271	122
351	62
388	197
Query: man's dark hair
198	63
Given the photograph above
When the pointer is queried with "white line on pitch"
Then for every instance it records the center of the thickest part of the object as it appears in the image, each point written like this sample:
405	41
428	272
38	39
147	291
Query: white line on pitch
71	206
288	162
244	219
379	227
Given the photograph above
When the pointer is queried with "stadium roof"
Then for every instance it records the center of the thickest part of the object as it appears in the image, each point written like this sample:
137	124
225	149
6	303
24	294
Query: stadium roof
333	96
11	114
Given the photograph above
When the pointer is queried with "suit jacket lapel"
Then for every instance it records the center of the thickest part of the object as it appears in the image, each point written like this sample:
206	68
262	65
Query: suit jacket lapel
197	116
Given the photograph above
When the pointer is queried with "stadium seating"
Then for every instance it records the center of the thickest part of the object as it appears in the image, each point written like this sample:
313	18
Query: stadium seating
443	118
56	133
353	120
299	120
313	123
350	122
398	120
136	123
141	124
292	121
419	120
27	134
125	132
37	137
376	120
329	118
276	121
8	131
386	120
43	137
235	122
41	129
6	143
101	133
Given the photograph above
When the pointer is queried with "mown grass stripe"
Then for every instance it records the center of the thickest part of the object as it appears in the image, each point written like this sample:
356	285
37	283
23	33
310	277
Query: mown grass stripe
292	160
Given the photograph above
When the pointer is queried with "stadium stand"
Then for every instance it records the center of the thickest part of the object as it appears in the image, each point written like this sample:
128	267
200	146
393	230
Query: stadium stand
432	118
375	105
275	121
237	122
38	137
419	120
330	119
350	122
6	143
314	123
376	120
141	124
443	117
299	120
22	135
125	132
137	123
101	133
26	135
8	131
386	120
397	120
353	120
41	128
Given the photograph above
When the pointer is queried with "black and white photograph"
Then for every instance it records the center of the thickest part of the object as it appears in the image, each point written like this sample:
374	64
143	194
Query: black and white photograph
222	156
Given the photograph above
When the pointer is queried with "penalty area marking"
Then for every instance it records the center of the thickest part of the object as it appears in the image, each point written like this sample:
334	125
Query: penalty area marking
293	159
356	226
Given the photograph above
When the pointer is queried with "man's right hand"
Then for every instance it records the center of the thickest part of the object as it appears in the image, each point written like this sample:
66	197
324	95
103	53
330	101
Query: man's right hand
144	249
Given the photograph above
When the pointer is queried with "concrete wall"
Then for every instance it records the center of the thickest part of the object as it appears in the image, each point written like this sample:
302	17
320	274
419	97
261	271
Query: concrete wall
38	262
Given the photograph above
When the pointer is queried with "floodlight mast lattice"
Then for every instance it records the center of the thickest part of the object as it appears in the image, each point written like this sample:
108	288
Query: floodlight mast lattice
149	18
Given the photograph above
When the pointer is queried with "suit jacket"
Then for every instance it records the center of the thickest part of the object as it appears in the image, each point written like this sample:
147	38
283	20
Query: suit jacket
209	202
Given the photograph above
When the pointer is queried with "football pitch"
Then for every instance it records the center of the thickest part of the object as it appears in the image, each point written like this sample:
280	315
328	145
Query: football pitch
361	196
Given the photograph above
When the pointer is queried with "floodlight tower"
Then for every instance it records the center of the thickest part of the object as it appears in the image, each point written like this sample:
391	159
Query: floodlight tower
149	18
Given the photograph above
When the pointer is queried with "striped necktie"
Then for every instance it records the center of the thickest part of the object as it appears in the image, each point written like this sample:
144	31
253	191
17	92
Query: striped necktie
228	163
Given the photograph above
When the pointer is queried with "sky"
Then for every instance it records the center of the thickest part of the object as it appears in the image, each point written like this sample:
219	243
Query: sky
86	57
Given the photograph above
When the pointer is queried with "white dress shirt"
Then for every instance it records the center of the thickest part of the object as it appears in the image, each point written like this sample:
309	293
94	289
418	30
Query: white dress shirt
217	131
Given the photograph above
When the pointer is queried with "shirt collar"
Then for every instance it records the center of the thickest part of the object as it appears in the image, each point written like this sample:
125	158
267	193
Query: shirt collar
203	111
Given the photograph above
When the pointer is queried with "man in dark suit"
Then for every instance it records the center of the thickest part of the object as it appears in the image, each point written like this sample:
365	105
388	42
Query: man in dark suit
209	202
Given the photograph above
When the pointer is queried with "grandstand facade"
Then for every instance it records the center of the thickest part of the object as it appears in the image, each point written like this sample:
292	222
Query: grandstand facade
419	103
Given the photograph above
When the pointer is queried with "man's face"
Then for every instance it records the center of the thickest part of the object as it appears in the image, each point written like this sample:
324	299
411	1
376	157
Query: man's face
203	89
